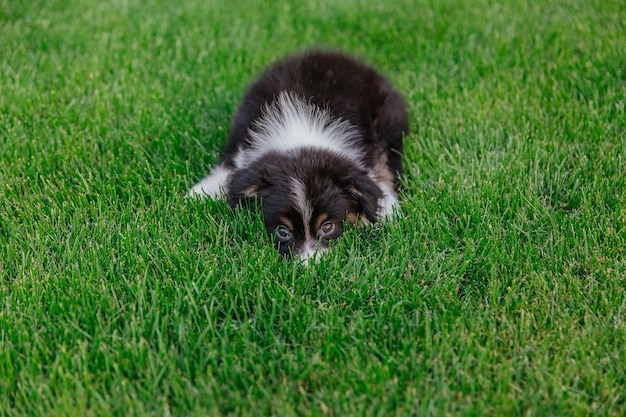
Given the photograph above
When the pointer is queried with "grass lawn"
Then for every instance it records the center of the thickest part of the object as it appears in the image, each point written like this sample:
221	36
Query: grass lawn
499	291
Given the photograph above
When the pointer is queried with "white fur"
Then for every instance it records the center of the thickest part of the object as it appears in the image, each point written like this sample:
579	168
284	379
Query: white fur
311	250
213	185
303	205
310	253
291	123
389	203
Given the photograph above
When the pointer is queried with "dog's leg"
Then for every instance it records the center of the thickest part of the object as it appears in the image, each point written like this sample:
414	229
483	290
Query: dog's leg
389	204
213	185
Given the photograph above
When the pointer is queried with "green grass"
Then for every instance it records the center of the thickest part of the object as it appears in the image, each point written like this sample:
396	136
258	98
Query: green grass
499	291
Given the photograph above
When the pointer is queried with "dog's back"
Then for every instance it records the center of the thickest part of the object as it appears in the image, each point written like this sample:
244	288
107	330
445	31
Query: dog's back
347	88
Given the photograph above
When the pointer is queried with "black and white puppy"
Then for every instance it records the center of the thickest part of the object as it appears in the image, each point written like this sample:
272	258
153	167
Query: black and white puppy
318	142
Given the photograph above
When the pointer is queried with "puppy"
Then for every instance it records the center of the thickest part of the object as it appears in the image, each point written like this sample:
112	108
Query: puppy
317	142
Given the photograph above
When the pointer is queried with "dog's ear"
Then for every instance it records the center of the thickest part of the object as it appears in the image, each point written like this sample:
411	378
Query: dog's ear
368	194
243	187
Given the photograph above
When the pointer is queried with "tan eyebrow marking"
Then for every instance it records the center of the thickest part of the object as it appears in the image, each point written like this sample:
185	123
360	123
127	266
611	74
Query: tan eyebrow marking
320	220
286	222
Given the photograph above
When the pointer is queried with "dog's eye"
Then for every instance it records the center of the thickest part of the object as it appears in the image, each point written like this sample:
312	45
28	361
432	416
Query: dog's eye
283	233
327	228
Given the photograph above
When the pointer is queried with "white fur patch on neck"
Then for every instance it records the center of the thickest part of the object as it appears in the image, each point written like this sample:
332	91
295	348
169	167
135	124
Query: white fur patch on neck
290	123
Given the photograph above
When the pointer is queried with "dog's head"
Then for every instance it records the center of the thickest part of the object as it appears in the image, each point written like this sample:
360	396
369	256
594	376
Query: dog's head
307	196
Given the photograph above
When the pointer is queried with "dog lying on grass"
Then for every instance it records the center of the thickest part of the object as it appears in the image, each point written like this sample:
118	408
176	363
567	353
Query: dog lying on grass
318	142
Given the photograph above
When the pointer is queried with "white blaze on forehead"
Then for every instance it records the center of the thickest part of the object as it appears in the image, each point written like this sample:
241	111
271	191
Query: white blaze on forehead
300	200
311	250
290	123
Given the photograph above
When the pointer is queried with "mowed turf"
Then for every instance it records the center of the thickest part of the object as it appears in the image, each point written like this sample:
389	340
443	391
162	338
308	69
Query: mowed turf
499	290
